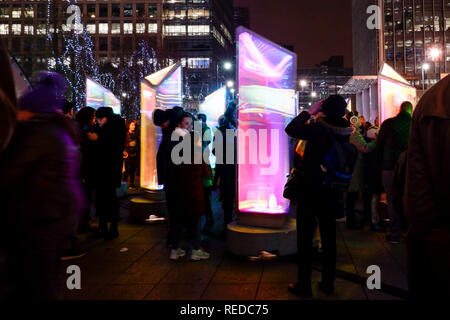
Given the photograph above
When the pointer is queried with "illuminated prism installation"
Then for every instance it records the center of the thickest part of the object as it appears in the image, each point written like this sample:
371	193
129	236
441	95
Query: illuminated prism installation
97	96
160	90
213	107
267	103
393	89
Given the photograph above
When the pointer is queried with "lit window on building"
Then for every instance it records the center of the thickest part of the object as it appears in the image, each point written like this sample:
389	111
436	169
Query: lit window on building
16	12
41	29
91	28
91	10
140	27
198	63
175	30
29	11
128	10
4	28
171	14
175	1
152	10
103	28
16	29
4	11
218	36
28	29
226	32
152	28
128	28
198	30
115	27
198	14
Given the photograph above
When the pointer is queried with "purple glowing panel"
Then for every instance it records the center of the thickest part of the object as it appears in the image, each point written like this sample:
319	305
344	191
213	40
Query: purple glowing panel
267	102
170	90
97	96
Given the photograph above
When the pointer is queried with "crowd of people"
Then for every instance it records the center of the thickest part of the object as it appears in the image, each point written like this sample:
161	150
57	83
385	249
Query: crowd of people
340	155
64	161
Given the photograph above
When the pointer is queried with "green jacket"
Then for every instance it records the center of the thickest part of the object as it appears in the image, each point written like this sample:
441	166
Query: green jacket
393	140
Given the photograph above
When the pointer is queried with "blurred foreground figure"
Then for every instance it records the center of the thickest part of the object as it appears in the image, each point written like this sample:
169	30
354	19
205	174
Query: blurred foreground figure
427	195
40	190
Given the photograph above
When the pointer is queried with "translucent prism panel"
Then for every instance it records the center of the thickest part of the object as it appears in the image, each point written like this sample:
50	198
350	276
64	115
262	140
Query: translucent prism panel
169	91
97	96
213	107
149	137
167	94
392	94
267	102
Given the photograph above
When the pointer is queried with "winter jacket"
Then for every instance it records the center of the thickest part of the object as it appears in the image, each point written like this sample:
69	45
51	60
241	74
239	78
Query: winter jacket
393	140
318	142
40	186
358	178
111	144
132	149
184	190
427	194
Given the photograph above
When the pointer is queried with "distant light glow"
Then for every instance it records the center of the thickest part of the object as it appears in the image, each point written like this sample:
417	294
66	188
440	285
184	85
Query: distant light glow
303	83
426	66
227	65
230	83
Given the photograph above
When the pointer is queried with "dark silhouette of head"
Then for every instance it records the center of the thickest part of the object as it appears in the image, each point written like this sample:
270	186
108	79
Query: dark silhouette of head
406	107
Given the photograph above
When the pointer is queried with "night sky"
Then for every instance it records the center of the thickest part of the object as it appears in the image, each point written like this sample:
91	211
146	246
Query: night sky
318	29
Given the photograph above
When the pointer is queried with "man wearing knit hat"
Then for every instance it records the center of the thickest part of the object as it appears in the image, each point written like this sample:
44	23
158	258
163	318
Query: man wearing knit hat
316	199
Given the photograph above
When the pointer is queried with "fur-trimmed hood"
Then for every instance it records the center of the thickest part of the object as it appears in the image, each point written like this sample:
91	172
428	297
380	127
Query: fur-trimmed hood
339	127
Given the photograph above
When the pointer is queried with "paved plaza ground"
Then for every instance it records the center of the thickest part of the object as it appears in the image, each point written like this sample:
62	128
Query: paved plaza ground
144	270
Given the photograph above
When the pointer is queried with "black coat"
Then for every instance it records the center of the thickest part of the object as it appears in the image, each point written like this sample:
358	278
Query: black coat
111	144
318	142
40	187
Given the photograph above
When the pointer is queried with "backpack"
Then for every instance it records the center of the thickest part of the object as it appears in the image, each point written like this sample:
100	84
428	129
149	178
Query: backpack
338	164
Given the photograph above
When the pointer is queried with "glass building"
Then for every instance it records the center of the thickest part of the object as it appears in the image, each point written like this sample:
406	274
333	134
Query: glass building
417	32
199	33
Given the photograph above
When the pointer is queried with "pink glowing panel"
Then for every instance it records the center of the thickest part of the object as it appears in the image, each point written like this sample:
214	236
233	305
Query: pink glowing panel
392	94
213	107
267	102
97	96
165	94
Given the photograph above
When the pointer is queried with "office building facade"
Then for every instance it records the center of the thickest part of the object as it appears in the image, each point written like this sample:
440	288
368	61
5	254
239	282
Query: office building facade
413	33
199	33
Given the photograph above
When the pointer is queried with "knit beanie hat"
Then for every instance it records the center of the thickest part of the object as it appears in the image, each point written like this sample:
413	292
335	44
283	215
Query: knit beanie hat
334	106
47	95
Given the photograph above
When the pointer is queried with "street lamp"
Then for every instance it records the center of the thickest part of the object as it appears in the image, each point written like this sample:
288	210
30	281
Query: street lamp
227	65
303	83
313	94
434	53
425	67
230	83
